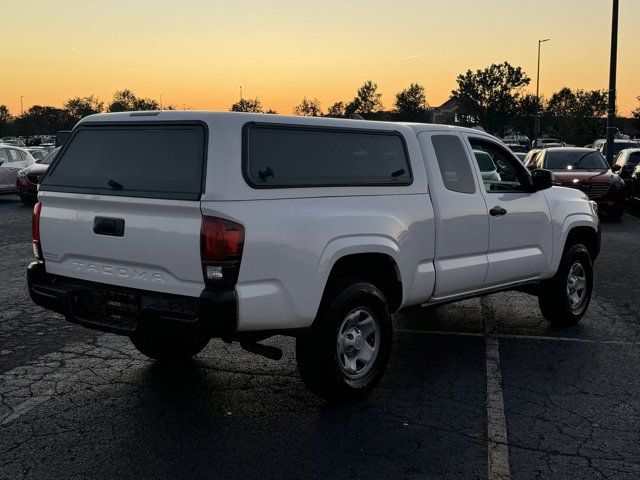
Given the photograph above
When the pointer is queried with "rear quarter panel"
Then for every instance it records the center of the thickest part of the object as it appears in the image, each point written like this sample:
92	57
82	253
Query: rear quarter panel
292	244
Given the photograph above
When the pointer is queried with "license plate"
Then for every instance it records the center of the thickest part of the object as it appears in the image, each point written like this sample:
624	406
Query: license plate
120	305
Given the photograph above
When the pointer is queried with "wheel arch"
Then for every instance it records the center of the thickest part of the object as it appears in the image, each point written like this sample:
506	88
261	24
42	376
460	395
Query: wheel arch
578	229
376	263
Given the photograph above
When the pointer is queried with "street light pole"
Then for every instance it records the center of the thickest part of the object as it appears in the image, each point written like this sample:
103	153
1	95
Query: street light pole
240	87
536	131
21	109
611	111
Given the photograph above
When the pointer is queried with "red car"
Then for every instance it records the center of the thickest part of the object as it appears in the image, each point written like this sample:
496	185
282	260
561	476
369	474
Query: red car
587	170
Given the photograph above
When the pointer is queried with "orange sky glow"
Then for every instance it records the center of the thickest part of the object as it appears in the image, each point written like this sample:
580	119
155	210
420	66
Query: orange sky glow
196	53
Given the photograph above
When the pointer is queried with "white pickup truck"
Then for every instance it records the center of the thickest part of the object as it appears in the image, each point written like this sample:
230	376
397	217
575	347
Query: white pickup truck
177	227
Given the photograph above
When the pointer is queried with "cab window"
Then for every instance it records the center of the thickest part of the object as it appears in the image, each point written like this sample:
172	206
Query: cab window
508	175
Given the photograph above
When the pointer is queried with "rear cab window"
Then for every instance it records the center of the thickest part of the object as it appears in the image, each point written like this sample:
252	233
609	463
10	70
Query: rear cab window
153	160
453	164
285	156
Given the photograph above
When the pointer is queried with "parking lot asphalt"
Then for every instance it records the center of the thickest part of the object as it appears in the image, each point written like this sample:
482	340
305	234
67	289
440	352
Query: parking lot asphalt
479	389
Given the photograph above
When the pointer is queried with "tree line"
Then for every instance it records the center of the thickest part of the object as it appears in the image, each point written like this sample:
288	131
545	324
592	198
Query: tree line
493	98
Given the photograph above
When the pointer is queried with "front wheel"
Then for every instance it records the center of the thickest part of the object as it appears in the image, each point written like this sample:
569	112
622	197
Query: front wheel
165	342
345	355
564	298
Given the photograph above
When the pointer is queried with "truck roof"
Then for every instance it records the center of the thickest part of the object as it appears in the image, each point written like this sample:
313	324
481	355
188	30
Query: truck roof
212	116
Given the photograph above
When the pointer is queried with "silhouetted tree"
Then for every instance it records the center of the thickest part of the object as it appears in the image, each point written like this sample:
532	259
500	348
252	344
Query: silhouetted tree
491	95
271	111
308	108
336	110
5	120
367	100
577	116
41	119
524	118
126	101
636	113
411	103
80	107
247	105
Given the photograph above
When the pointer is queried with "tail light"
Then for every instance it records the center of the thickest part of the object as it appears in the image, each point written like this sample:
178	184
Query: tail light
221	244
35	229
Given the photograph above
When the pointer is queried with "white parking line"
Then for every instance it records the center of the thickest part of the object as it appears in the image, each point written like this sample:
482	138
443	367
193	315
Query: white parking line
497	440
23	408
519	337
498	446
47	376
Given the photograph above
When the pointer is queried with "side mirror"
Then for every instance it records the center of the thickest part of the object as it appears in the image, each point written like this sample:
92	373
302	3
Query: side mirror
615	167
531	167
542	179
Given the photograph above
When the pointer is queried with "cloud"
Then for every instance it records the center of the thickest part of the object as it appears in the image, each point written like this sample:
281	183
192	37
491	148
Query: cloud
413	57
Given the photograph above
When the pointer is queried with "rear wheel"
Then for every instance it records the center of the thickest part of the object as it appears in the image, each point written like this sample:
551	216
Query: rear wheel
345	355
166	342
564	299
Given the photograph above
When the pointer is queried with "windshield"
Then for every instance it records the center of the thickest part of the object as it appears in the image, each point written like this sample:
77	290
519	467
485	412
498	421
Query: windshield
574	160
51	156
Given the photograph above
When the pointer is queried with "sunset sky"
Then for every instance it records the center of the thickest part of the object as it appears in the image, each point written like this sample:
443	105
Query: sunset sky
197	52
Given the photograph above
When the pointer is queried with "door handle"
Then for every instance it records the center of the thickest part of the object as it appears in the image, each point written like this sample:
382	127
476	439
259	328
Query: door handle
109	226
497	211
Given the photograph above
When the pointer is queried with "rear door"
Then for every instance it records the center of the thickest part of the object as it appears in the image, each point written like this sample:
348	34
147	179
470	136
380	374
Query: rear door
121	206
462	226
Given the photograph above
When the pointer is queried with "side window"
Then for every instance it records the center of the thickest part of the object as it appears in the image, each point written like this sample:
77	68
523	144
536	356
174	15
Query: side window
499	169
279	156
539	158
454	164
4	156
14	155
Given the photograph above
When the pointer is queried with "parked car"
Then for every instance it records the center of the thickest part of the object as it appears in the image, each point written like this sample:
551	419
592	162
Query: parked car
12	160
547	142
13	141
29	178
587	170
318	228
488	169
517	148
619	144
520	156
530	156
37	153
634	188
627	160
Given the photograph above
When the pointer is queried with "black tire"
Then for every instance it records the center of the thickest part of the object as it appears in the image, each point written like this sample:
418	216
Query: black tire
557	304
344	311
167	342
28	200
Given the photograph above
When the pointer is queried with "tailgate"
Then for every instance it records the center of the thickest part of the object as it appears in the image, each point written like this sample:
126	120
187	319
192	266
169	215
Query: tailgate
159	249
121	206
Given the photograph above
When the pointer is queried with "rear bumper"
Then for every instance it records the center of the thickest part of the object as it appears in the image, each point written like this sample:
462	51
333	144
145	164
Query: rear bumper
83	302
